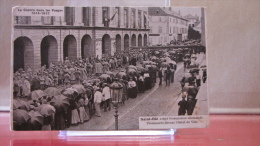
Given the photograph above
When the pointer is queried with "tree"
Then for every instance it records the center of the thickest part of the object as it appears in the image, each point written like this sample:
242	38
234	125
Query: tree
193	34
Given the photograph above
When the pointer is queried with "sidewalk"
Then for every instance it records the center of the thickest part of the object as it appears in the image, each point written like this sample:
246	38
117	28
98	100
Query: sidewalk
201	107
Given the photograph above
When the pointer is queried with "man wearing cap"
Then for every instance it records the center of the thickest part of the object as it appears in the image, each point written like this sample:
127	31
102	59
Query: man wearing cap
183	105
97	101
47	80
42	80
35	83
190	105
107	98
160	75
26	87
66	78
168	76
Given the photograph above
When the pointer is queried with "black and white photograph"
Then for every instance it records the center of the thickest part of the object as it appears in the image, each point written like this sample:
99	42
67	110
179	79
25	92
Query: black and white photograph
108	68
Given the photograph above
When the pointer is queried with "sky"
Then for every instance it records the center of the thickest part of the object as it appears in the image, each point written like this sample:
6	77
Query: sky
188	10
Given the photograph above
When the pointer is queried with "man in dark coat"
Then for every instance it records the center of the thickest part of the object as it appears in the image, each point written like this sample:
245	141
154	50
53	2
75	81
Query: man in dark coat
192	80
204	76
160	75
183	105
190	105
133	61
193	92
168	76
172	75
35	83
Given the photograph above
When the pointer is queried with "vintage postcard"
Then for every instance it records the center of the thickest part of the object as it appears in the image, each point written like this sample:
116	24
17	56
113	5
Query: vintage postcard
108	68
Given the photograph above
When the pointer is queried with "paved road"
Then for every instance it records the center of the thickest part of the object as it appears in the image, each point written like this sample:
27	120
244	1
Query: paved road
158	101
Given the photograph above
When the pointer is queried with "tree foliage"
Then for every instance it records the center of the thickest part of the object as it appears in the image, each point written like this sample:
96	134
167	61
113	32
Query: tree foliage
193	34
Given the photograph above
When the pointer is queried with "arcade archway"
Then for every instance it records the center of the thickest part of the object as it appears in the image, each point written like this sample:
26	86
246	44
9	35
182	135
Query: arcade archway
86	47
23	53
106	44
145	40
126	43
70	47
49	51
118	43
133	40
139	40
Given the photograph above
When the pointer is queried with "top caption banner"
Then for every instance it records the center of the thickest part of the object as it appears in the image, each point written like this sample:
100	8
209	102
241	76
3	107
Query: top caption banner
38	11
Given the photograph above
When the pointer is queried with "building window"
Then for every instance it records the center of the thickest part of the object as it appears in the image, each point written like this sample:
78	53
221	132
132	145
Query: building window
105	16
139	19
126	17
159	29
86	16
170	29
69	15
47	20
133	18
23	20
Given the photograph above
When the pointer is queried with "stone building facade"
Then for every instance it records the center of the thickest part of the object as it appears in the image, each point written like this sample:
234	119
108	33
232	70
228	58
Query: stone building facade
80	33
166	26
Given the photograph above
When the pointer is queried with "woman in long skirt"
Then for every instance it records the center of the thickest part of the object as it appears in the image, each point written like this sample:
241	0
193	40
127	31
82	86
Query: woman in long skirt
132	90
74	113
82	113
59	120
141	84
47	122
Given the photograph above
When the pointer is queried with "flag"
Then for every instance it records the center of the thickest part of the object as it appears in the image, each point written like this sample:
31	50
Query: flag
113	16
146	17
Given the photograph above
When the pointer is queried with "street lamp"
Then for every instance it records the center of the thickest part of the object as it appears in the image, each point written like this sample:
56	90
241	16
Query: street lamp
116	91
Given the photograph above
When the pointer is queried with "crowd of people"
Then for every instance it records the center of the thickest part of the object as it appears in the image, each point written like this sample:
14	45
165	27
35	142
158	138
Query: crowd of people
190	84
135	71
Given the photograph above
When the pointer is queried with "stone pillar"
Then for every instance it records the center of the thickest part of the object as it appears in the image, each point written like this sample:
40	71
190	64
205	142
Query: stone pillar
98	17
113	46
59	46
78	39
36	52
121	16
142	19
98	44
63	19
136	18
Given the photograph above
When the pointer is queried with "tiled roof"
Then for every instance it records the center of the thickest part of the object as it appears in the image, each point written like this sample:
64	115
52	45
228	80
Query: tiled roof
157	11
189	16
